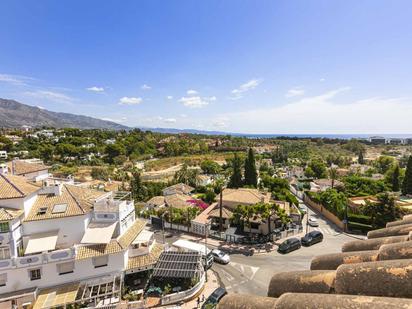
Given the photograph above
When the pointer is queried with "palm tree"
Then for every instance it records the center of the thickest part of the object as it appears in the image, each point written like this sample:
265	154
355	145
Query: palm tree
333	174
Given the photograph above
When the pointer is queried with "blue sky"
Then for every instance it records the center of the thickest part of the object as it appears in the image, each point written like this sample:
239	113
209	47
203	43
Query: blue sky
238	66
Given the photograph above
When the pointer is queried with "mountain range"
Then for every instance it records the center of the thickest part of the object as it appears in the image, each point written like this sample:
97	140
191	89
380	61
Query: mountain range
14	114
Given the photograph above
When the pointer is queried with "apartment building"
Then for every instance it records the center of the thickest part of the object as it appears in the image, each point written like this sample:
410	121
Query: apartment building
67	244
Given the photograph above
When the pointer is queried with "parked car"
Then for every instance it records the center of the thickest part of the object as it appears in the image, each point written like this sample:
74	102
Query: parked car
214	298
313	222
289	245
311	238
220	256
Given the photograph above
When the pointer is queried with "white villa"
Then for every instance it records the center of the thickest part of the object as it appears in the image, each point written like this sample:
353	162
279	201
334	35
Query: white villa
64	244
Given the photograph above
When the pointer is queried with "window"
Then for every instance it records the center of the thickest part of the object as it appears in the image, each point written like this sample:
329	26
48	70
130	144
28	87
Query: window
59	208
4	253
35	274
65	268
100	261
4	227
42	211
3	279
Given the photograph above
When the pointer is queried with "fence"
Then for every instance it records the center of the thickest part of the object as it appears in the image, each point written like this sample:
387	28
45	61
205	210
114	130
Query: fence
184	295
326	213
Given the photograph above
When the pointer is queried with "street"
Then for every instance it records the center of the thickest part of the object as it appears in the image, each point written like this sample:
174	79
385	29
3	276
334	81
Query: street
252	274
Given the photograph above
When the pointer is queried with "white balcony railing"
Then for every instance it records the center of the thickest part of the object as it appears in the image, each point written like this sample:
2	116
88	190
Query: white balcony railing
37	259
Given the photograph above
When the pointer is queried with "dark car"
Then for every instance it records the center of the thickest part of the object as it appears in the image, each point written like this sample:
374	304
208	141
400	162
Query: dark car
311	238
214	298
289	245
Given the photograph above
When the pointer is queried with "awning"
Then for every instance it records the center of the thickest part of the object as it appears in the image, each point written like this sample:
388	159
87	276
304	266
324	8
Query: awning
143	237
98	233
57	296
41	242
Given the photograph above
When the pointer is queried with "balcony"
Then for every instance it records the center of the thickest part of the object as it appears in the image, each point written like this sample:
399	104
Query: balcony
37	259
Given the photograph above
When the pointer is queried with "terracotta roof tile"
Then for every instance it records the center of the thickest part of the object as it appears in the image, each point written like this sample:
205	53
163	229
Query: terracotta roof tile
15	187
78	200
7	214
85	252
145	260
131	233
20	167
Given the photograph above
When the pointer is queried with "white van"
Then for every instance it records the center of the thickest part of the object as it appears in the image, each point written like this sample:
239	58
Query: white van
184	245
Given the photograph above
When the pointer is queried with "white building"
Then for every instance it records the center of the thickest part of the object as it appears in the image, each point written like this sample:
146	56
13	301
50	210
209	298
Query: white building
3	154
31	169
60	242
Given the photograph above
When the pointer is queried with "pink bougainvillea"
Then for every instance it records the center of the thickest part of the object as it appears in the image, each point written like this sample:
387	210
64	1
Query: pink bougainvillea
198	203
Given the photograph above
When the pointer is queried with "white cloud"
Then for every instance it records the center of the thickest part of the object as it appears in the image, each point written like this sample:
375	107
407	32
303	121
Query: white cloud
95	89
40	107
295	92
169	97
183	115
322	80
130	101
50	95
195	101
14	79
169	120
220	123
146	87
249	85
118	120
191	92
323	114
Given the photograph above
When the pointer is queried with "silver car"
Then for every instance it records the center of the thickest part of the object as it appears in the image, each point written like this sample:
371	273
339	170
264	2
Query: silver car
313	222
220	257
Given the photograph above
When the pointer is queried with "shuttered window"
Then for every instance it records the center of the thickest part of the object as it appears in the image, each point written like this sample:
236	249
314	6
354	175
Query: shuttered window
100	261
65	268
3	279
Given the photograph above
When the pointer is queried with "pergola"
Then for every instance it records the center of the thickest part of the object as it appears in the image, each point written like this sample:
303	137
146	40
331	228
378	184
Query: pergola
178	265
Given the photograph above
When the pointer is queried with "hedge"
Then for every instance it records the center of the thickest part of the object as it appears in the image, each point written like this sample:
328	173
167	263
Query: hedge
353	226
358	218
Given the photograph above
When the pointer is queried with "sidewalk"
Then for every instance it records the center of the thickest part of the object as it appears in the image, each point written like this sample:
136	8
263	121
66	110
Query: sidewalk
239	248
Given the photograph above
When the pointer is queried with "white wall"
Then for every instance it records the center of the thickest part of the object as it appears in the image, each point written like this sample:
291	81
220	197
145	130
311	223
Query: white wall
18	278
71	229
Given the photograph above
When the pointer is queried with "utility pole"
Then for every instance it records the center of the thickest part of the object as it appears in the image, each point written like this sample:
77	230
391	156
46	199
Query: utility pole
206	229
163	227
221	210
307	219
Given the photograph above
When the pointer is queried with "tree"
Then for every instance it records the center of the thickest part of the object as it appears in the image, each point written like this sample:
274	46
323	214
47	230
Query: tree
187	175
361	160
316	168
100	173
139	191
407	181
114	150
384	163
250	169
333	174
383	210
210	167
395	179
210	196
235	180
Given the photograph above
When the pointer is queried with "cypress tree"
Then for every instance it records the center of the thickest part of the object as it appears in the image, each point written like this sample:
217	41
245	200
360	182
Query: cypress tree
361	160
235	180
407	182
395	179
250	169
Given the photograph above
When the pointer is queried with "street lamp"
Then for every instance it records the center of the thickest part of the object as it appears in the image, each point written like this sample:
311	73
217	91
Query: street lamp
206	229
307	219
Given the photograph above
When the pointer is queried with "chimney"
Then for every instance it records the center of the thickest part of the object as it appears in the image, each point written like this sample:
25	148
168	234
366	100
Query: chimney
3	169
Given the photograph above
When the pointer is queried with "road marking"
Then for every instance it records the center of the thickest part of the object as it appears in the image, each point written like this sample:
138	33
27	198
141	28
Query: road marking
244	268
